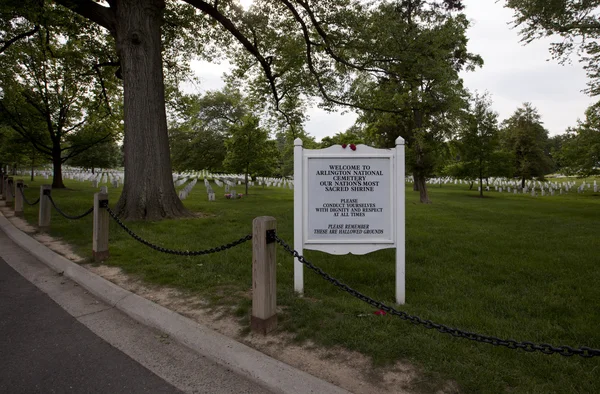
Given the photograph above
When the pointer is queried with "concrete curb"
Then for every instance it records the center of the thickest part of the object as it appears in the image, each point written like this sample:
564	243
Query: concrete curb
273	374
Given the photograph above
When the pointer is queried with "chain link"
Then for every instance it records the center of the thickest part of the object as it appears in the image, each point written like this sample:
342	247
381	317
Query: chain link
545	348
68	216
177	252
26	200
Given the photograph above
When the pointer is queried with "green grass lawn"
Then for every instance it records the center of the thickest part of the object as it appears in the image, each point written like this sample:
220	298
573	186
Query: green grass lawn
510	266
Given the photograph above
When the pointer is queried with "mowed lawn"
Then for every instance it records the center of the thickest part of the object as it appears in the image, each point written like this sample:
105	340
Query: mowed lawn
509	266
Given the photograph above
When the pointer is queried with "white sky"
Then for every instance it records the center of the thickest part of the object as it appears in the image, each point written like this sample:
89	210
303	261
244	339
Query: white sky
512	74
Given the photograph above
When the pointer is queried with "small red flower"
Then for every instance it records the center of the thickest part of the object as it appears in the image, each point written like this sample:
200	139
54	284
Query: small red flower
344	146
380	312
352	146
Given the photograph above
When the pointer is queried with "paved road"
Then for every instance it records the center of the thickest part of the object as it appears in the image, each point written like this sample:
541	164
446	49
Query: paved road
88	347
44	349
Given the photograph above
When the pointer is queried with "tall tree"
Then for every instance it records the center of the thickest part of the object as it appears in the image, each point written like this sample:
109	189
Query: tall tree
526	138
576	22
249	150
418	49
137	27
478	144
50	94
199	128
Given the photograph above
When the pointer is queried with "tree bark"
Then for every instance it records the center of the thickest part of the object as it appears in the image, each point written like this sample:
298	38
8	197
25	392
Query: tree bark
246	175
148	190
423	195
57	180
415	184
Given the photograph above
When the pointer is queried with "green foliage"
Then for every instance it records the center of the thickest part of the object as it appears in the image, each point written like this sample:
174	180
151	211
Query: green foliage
418	50
580	151
199	128
53	96
477	146
576	23
526	139
354	135
106	154
249	150
285	145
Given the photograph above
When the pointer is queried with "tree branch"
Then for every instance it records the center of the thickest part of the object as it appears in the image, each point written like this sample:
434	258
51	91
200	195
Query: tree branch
16	38
104	16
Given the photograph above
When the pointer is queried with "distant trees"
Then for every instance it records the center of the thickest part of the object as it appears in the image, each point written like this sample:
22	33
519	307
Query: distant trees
249	150
218	131
526	139
580	151
478	144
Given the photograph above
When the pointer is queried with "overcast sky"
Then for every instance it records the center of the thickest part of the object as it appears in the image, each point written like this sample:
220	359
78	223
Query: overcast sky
513	74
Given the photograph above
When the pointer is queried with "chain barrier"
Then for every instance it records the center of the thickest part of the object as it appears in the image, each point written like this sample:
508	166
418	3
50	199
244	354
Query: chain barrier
177	252
68	216
26	200
545	348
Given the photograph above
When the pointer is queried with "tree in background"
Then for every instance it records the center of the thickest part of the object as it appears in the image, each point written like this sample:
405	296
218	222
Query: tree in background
526	139
576	22
580	151
50	94
106	154
418	49
478	144
354	135
199	128
249	150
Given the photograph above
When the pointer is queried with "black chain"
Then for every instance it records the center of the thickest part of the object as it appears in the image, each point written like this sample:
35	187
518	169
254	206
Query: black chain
26	200
69	216
509	343
178	252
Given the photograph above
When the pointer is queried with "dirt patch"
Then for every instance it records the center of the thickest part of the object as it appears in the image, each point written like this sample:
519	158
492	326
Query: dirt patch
350	370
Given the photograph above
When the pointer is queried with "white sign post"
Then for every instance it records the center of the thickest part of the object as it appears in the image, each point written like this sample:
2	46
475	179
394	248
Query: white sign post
349	201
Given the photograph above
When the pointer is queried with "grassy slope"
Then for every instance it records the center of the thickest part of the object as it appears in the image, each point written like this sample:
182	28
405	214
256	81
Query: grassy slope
510	266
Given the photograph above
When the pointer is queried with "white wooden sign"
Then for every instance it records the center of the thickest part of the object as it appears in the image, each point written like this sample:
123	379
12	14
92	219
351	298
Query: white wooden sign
349	201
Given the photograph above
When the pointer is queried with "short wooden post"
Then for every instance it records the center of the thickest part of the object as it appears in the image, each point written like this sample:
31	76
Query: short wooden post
264	289
101	221
44	212
19	198
10	190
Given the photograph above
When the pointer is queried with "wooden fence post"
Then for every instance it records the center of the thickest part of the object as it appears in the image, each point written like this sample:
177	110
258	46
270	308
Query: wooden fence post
101	221
264	286
10	192
19	198
44	212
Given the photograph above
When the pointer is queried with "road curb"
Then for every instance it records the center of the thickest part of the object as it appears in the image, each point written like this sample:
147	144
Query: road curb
267	371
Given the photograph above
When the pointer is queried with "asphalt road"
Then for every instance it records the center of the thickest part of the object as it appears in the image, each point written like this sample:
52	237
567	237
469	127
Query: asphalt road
44	349
55	337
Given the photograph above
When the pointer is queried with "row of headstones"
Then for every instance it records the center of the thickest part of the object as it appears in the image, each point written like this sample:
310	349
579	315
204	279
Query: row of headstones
501	184
187	189
550	188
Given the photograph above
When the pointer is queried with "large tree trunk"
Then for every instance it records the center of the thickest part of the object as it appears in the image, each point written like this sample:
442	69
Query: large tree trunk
57	180
148	190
